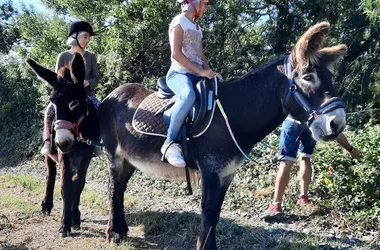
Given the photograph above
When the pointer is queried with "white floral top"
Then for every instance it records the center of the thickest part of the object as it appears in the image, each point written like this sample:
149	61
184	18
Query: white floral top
191	43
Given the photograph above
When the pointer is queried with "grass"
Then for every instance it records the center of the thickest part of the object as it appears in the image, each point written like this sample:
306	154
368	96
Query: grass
28	182
19	205
94	200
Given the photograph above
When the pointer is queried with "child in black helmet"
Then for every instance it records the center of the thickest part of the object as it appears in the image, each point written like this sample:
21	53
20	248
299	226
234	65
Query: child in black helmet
79	34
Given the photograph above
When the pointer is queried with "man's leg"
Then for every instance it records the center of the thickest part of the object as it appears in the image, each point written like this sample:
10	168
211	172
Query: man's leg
305	175
306	151
288	152
282	180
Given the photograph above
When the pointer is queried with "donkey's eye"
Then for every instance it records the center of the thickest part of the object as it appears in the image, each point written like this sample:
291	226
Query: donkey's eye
73	104
308	78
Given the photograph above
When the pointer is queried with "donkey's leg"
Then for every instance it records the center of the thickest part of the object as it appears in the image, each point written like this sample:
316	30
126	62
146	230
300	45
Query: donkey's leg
214	189
120	171
51	172
67	197
79	181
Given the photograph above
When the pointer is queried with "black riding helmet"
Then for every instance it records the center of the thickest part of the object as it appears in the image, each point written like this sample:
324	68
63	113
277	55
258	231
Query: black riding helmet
79	26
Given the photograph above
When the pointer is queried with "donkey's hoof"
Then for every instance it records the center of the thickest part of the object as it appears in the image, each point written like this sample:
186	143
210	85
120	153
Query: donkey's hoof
116	238
75	227
64	234
44	213
46	209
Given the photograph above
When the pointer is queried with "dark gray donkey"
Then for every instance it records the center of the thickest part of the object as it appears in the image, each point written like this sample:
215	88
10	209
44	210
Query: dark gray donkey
256	103
76	121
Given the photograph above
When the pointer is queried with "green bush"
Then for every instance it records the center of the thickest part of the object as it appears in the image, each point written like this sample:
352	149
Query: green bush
20	117
350	186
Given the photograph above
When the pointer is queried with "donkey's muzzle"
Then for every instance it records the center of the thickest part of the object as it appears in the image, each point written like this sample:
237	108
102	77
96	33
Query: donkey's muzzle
64	145
331	105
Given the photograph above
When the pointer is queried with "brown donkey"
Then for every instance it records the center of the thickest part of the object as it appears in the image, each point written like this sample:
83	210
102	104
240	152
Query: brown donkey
76	124
256	103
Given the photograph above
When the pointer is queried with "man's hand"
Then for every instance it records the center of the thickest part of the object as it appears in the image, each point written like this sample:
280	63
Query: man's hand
354	153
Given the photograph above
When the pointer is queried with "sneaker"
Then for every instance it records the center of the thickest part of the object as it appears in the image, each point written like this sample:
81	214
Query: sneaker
46	149
303	200
273	210
173	154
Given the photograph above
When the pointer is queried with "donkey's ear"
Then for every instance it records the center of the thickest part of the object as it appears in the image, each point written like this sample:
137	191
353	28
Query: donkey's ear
331	55
46	75
78	70
307	47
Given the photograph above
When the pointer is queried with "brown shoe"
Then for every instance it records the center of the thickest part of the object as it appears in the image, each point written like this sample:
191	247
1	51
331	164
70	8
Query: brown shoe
273	210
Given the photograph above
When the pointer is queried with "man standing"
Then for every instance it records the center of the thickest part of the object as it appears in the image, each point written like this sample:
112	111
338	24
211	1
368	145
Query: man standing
293	137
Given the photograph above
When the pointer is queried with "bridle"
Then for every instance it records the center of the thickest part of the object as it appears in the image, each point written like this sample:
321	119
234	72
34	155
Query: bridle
64	124
312	114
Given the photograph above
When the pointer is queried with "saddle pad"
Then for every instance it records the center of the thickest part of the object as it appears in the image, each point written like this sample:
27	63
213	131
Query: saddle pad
148	118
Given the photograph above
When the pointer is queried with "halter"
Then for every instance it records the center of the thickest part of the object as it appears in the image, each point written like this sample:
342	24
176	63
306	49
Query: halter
64	124
327	106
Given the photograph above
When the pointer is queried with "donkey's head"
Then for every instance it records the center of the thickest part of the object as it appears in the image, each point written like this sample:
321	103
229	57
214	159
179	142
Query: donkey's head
68	96
311	98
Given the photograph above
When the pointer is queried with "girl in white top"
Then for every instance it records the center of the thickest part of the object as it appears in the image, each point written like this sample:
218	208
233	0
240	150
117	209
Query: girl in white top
188	66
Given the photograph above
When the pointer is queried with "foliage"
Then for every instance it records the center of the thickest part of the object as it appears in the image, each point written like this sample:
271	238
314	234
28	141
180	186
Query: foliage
348	186
7	35
19	111
372	10
351	186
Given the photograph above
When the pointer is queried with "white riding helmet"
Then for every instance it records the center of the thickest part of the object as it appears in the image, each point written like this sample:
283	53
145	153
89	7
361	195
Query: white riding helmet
193	5
210	2
189	5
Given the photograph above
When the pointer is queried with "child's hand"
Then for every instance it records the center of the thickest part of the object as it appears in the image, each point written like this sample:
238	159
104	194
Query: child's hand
207	73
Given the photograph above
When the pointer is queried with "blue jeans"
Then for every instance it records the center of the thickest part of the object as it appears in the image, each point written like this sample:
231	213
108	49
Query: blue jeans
182	86
95	101
290	131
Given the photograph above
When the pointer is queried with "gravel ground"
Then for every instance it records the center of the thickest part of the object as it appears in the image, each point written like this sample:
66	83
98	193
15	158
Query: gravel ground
161	216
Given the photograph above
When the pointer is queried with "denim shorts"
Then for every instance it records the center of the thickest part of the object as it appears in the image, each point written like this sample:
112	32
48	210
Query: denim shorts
292	130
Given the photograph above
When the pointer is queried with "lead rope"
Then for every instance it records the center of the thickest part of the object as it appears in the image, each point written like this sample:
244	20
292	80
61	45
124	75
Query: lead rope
233	136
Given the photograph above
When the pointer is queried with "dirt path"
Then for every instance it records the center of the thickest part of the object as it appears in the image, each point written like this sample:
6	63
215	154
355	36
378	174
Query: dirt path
159	215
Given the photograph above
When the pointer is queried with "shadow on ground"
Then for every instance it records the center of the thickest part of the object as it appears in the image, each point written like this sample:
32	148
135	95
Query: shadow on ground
179	231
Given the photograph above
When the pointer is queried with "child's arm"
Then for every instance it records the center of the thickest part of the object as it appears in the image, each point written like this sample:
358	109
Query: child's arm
93	82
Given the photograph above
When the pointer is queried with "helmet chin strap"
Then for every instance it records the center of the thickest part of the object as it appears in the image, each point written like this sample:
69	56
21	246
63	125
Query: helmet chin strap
195	11
76	38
